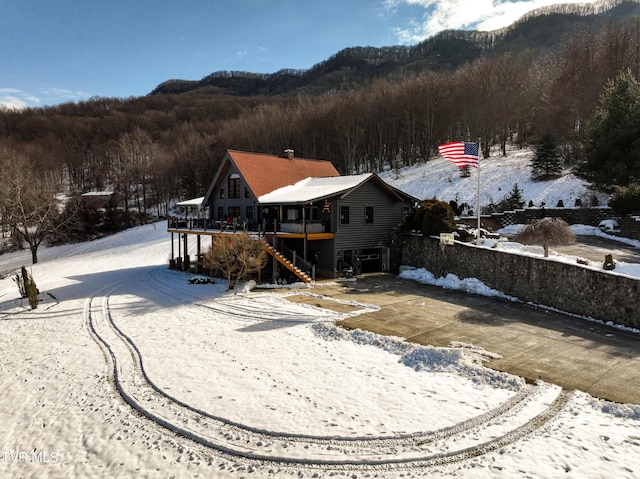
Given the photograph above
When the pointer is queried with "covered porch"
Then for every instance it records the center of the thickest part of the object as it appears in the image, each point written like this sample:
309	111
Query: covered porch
288	245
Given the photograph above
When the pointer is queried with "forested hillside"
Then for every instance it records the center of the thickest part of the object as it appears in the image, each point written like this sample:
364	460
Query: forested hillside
164	147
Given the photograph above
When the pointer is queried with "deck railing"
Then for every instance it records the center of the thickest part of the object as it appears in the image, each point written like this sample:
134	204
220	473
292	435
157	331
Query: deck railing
296	260
206	224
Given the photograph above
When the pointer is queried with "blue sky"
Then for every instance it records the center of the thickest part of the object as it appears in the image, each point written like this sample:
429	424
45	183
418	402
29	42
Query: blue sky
54	51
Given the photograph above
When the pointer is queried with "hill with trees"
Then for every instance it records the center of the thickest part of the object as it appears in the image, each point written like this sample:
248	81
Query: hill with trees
153	150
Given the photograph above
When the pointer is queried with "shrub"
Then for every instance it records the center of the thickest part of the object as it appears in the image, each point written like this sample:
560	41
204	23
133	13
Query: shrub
626	199
437	218
431	217
236	256
547	231
27	287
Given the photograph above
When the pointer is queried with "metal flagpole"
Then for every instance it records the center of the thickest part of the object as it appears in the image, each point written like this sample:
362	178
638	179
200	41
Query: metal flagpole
478	209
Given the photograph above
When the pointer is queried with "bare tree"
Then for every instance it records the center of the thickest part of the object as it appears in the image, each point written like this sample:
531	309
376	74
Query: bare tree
236	256
547	232
28	196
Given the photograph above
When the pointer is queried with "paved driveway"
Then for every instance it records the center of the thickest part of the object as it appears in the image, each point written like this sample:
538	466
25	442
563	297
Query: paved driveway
534	343
596	248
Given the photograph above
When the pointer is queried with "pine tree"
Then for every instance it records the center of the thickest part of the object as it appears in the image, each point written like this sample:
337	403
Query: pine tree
465	172
612	147
513	201
546	163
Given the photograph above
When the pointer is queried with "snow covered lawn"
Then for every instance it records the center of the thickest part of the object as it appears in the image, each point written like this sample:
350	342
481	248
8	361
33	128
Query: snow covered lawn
127	370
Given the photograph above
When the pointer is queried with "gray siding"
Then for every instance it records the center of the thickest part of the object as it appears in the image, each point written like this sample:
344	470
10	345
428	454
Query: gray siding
215	201
387	214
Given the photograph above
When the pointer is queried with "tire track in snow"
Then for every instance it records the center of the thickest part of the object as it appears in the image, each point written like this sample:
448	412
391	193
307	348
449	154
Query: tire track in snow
239	440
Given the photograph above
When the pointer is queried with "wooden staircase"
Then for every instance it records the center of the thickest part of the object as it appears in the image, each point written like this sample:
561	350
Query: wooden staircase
286	263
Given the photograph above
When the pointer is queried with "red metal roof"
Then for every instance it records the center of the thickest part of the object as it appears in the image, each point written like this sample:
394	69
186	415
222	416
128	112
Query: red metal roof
265	173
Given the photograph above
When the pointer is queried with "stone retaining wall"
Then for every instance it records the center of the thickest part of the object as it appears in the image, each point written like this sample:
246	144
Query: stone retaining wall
567	287
573	216
629	225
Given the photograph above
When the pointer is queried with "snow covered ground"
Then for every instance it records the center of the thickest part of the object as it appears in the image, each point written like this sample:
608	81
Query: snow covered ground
126	370
440	178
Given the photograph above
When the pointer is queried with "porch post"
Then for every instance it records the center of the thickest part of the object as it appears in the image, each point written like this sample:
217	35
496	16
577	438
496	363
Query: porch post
198	256
187	260
304	226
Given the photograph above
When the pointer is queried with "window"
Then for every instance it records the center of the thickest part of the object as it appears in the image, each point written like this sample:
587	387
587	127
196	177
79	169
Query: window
234	211
234	185
368	215
220	213
246	192
222	193
248	213
344	215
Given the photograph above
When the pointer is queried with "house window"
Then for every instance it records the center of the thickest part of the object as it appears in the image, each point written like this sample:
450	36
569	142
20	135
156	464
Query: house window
248	213
234	186
222	193
246	192
344	215
368	215
220	212
234	211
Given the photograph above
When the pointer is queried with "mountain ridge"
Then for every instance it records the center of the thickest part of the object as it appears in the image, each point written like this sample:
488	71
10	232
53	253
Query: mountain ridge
539	30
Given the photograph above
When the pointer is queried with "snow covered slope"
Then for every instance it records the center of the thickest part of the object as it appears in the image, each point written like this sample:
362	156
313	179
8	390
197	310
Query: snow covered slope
440	178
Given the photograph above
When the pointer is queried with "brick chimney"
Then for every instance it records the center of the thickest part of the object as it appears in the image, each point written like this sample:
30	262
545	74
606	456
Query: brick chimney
288	153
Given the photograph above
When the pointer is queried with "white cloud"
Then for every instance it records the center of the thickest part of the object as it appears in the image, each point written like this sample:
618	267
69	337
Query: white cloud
14	99
483	15
59	95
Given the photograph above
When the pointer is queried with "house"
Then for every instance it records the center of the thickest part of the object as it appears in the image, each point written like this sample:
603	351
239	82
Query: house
312	218
243	177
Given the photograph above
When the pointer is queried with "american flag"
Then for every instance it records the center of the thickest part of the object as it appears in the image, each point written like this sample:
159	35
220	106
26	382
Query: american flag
461	153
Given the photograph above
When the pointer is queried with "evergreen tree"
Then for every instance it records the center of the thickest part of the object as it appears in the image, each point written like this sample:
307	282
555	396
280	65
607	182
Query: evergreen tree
612	146
512	202
625	200
546	163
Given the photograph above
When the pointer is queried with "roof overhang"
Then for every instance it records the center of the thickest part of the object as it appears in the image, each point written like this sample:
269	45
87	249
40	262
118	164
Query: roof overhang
193	202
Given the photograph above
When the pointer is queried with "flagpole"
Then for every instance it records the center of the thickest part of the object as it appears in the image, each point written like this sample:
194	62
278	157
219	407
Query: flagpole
478	209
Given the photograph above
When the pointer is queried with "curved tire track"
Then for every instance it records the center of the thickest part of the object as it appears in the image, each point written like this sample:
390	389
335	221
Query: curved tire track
136	388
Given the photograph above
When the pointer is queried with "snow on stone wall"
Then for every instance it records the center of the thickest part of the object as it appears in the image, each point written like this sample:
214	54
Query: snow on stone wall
563	286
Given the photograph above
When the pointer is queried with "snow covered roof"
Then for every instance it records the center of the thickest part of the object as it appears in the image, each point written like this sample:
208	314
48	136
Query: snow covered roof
193	202
311	189
97	193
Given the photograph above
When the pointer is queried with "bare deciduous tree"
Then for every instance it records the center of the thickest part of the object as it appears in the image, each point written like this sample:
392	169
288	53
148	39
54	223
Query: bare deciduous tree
547	232
236	256
28	198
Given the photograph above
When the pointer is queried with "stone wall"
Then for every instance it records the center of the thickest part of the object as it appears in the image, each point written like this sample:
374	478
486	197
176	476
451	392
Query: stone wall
629	225
573	216
567	287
